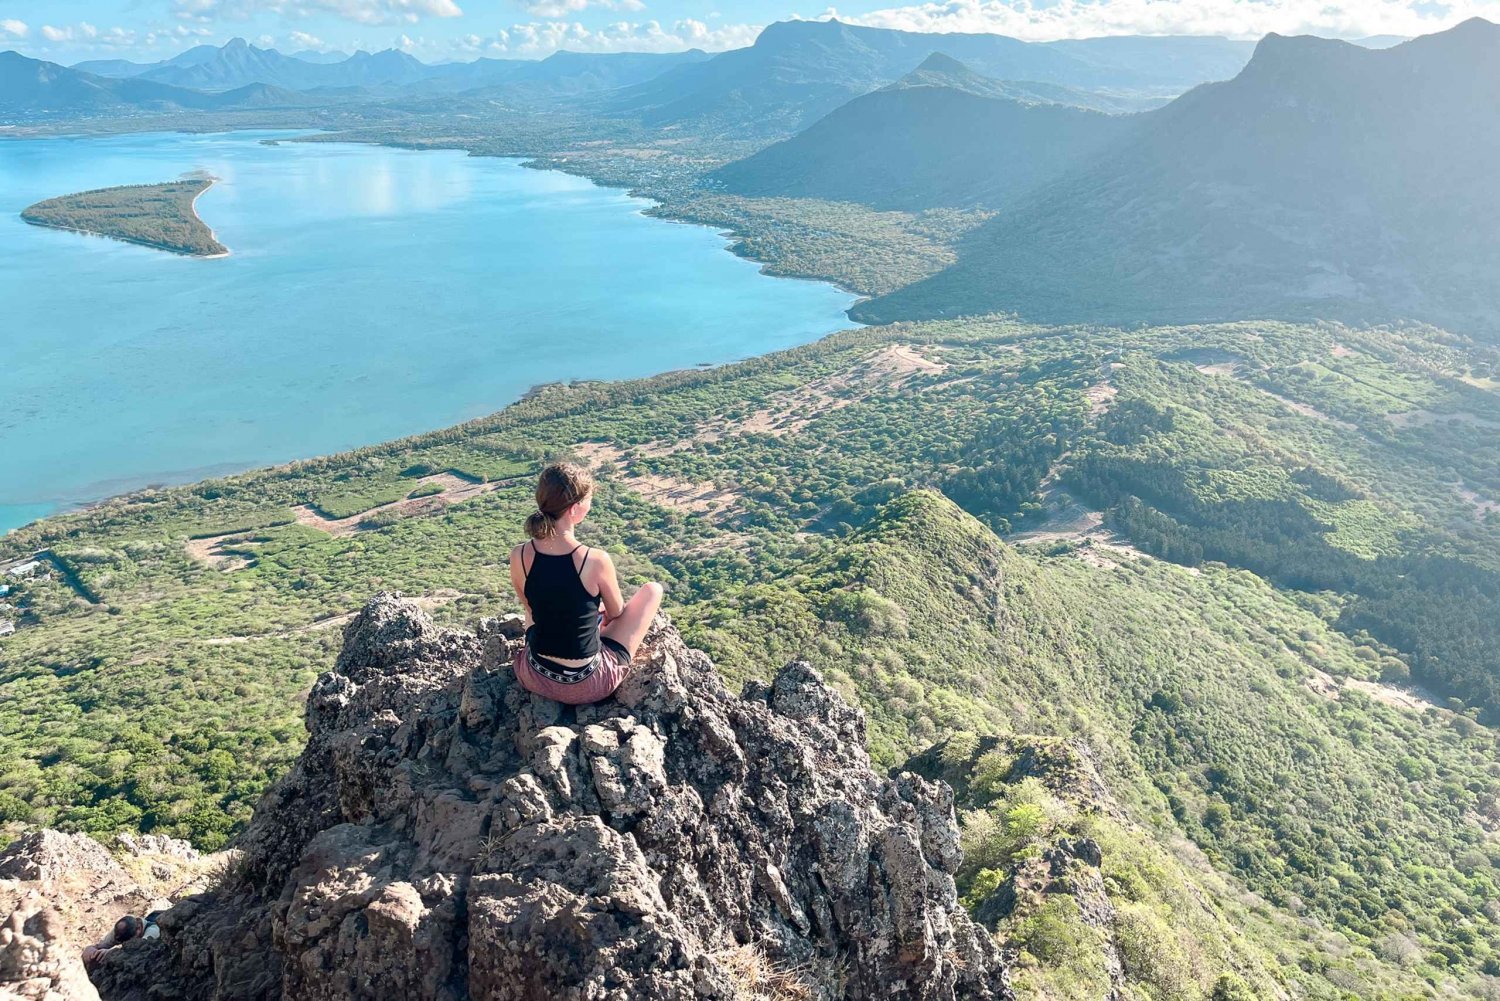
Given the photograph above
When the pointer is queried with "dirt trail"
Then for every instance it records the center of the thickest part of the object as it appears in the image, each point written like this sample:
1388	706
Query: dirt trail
456	490
1421	418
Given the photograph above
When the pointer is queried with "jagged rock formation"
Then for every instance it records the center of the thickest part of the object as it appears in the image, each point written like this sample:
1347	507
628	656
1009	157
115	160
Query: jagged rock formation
446	835
60	892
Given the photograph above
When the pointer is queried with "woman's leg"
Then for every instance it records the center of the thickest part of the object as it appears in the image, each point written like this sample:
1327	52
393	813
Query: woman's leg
630	628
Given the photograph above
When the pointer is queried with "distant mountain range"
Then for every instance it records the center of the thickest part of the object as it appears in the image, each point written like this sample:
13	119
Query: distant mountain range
799	71
239	74
940	136
795	73
1324	179
32	86
239	63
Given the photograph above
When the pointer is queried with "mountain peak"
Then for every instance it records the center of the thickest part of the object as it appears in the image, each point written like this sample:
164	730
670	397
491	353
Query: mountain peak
1276	46
1473	25
942	70
1476	33
508	847
235	44
940	62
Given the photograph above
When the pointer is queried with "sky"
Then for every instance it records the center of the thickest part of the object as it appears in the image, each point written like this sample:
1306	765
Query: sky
68	31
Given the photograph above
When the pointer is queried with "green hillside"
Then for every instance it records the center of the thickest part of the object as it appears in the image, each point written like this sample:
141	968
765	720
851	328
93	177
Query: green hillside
847	502
1192	691
940	137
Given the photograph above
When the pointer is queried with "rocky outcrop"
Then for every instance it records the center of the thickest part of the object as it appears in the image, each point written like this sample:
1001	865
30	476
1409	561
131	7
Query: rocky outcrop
61	892
39	958
445	835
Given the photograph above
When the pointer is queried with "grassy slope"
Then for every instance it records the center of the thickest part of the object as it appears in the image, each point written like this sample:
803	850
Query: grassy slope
1190	688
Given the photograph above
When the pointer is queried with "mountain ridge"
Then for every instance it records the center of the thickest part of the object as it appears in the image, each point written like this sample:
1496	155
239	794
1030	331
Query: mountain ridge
1325	177
941	136
798	71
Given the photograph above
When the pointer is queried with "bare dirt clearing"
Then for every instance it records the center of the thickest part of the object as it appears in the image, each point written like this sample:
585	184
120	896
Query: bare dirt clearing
1483	507
890	367
1100	396
210	551
1412	700
456	490
699	498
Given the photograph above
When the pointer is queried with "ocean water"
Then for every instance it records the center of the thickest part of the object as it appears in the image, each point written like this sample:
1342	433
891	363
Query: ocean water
371	293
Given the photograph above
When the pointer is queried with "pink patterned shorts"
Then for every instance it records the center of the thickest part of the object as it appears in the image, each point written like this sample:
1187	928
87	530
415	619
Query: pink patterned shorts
611	666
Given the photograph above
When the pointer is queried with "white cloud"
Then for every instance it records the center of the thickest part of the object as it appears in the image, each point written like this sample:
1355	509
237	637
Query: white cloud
1039	21
359	11
562	8
556	8
541	38
11	28
302	40
86	34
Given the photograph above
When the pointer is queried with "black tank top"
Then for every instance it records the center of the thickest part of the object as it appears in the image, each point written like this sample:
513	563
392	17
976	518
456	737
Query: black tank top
565	617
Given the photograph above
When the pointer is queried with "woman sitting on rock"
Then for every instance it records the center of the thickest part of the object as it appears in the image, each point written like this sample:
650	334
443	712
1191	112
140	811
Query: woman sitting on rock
571	654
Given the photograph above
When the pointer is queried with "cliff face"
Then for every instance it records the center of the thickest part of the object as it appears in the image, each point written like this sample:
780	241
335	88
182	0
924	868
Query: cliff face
445	835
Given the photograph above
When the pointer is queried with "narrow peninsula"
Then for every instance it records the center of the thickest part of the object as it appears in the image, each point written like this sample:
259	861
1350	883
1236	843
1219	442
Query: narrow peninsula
161	216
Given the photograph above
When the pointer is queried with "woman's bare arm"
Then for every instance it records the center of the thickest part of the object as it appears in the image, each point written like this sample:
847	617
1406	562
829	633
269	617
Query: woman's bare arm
518	580
609	585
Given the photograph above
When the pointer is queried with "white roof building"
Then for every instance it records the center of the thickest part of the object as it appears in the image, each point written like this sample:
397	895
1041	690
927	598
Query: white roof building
25	569
7	627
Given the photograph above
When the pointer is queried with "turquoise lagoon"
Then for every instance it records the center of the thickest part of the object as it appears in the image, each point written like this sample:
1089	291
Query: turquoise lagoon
371	293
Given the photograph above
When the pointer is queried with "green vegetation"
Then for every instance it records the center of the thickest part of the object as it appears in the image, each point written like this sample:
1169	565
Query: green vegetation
153	215
1247	714
865	250
347	502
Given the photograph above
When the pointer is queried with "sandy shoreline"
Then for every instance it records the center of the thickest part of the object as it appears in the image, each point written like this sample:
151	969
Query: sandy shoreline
211	233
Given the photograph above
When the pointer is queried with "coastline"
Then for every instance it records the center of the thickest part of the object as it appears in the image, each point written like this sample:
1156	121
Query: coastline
548	398
211	233
735	239
149	244
529	395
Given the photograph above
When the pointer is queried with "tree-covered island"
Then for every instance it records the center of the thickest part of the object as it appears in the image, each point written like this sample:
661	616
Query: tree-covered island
161	216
